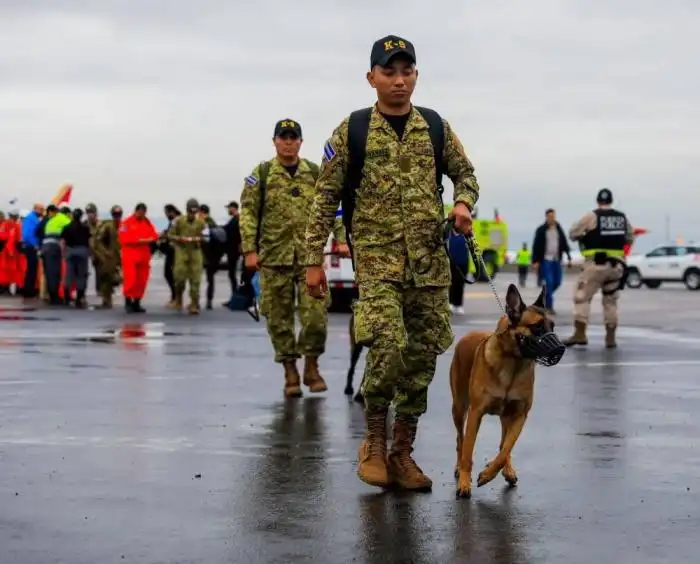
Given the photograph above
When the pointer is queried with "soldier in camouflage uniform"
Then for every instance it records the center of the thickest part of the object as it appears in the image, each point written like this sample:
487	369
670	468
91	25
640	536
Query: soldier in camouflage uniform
403	276
106	253
93	223
289	193
187	237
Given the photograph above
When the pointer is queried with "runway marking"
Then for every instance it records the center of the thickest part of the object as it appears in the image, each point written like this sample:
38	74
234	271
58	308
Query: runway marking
20	382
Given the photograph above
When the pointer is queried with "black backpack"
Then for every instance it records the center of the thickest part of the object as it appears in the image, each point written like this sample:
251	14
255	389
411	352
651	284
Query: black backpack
358	129
264	171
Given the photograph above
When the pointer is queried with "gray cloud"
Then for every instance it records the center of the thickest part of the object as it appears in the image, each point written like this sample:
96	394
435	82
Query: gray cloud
161	100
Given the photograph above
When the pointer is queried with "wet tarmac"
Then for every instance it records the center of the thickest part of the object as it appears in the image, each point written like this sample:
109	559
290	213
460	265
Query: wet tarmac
163	438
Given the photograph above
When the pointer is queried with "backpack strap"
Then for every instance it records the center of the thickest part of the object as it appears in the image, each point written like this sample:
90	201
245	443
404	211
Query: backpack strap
358	129
262	181
436	130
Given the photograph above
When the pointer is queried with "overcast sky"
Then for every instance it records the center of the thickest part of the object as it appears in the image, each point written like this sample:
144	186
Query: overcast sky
159	101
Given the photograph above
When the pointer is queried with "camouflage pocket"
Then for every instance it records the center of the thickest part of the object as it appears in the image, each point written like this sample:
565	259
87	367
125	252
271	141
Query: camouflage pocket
440	335
363	326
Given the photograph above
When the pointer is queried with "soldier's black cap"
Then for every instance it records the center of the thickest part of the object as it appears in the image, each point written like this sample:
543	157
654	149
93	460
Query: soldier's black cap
116	210
387	47
232	204
286	126
204	208
604	196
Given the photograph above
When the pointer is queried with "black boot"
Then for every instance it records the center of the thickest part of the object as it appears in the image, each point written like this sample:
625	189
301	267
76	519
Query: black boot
129	305
80	299
137	307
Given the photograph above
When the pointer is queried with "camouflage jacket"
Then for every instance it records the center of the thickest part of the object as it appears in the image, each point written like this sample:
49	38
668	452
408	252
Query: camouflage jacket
105	243
396	222
286	210
183	227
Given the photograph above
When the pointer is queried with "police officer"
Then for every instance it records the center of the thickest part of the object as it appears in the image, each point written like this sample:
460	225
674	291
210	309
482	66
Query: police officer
402	267
272	225
602	234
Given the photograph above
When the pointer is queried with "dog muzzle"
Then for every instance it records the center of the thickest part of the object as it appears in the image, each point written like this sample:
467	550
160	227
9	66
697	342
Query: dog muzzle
546	349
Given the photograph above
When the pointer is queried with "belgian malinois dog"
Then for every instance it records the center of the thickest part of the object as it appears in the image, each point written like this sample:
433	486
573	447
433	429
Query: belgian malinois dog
494	373
355	352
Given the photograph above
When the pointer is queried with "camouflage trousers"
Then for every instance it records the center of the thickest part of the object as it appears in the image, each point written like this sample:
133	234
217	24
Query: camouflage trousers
281	287
188	267
107	278
594	277
405	328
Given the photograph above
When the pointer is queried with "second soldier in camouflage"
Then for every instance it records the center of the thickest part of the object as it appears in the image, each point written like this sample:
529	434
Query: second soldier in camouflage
273	223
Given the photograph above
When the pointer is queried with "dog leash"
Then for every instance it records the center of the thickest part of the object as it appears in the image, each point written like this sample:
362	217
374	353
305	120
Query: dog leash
477	255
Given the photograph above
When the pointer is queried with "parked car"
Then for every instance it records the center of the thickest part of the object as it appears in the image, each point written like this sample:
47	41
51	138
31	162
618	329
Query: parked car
666	263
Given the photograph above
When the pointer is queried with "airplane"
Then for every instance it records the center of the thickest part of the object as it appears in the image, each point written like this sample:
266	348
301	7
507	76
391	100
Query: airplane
61	198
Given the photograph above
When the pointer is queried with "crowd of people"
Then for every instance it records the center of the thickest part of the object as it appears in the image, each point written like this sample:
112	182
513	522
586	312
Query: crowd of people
47	254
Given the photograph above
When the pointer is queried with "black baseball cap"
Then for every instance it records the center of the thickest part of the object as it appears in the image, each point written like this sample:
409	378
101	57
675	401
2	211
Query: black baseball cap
604	196
204	208
232	204
287	126
390	46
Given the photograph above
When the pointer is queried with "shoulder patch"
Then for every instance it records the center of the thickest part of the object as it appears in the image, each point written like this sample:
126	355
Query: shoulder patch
251	180
328	151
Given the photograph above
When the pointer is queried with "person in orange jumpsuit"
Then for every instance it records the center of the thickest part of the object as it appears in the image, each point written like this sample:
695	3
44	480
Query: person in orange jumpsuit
10	265
137	237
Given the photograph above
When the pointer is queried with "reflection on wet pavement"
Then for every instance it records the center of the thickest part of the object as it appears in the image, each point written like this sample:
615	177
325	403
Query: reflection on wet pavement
168	442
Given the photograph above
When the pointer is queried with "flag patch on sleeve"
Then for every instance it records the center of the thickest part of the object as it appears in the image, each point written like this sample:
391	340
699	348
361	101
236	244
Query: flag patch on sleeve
251	180
328	151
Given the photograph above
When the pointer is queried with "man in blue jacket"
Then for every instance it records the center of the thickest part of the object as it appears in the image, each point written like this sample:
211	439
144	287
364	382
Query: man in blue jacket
548	247
30	249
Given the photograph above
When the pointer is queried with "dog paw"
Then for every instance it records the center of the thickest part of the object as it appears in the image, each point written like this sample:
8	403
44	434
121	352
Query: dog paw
510	475
464	493
485	477
348	390
464	485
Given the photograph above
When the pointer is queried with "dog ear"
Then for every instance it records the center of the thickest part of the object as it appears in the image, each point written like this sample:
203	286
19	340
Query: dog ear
514	304
539	302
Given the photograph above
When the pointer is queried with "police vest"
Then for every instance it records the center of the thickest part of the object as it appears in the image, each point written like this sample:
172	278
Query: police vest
609	235
523	258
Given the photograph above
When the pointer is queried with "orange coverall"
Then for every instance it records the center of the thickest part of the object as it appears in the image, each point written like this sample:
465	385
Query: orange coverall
11	256
136	254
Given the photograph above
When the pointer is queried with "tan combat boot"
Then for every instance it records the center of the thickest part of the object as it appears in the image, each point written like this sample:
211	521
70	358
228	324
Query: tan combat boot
172	304
403	470
579	336
610	342
193	308
292	386
372	466
106	301
312	377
